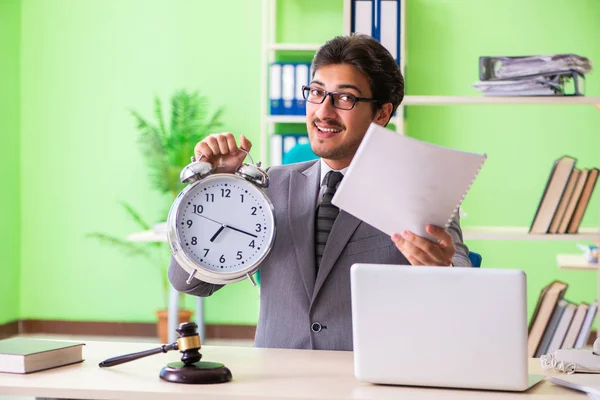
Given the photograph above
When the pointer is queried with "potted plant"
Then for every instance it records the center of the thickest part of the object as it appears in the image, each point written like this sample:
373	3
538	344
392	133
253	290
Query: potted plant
167	147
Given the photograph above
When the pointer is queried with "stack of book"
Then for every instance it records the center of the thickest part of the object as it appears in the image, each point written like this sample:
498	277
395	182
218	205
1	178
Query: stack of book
542	75
558	323
565	198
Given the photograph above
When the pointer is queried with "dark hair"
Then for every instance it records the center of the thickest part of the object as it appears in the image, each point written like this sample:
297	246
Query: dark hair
372	59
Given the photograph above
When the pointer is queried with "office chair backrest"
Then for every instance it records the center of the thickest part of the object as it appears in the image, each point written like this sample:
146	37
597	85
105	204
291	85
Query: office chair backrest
475	259
299	153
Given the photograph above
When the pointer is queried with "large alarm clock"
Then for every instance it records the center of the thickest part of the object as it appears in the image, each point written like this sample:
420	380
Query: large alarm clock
222	226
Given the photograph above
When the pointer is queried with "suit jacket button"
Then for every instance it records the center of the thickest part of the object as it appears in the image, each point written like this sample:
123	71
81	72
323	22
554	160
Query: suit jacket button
316	327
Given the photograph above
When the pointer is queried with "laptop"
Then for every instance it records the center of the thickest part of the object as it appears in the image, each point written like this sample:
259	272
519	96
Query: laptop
440	327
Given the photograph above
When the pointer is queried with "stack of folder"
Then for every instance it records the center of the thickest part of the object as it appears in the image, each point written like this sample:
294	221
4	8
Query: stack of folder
543	75
558	323
565	199
285	88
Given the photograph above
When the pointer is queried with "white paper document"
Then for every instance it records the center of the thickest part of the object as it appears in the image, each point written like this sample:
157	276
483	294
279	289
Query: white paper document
397	183
588	383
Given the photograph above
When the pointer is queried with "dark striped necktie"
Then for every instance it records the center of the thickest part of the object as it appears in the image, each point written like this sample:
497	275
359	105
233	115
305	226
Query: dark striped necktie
326	214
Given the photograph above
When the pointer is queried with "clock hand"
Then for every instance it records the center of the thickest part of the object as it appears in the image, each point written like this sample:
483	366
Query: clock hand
212	239
223	226
210	219
239	230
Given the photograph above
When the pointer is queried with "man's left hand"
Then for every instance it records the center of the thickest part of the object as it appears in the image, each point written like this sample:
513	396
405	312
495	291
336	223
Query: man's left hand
422	251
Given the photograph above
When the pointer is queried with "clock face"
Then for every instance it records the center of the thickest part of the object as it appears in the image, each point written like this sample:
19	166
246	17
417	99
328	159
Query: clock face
224	225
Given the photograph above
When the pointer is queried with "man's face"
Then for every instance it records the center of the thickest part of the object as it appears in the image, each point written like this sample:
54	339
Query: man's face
335	134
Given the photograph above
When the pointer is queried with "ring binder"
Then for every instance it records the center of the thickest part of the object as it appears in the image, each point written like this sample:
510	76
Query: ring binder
544	75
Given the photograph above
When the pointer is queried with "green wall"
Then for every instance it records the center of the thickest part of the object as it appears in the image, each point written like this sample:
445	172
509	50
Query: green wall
85	64
445	40
10	197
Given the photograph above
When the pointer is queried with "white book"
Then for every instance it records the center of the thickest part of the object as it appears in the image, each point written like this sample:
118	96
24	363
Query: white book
397	183
584	333
562	328
575	327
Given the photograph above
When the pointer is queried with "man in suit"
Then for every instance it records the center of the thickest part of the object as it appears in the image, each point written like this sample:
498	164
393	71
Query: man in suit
305	280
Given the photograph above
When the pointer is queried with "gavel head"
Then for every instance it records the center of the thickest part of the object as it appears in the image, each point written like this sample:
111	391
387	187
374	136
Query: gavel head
188	342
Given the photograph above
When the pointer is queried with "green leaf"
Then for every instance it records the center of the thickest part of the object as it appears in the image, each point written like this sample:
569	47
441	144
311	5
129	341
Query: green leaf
135	216
167	151
159	116
127	248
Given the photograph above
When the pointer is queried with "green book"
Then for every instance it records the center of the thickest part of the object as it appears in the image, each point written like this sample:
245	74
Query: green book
24	355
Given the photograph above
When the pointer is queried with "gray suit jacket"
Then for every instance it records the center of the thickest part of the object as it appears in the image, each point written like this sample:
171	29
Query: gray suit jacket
300	308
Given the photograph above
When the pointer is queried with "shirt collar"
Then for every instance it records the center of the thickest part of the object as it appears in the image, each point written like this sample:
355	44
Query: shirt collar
326	168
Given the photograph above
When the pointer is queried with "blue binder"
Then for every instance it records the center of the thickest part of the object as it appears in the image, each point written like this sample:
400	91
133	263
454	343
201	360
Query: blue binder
302	77
379	19
275	84
288	78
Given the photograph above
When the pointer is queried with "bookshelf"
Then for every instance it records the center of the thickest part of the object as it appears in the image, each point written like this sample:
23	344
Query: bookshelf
292	47
270	48
452	100
521	233
268	122
575	262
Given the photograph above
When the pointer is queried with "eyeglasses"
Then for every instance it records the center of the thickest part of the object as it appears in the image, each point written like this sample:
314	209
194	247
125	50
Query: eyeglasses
343	101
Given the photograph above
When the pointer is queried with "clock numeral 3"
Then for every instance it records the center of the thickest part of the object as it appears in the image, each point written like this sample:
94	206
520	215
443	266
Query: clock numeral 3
258	228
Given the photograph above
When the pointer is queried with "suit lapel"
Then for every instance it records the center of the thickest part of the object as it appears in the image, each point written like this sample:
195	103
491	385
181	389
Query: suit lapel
343	228
303	192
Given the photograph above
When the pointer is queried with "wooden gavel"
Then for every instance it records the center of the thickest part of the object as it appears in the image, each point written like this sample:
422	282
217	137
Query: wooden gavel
190	369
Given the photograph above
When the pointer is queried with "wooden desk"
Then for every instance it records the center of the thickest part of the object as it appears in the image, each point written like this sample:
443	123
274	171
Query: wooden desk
257	374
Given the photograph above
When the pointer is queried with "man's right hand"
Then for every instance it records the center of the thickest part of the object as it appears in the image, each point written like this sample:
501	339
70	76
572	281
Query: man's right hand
221	150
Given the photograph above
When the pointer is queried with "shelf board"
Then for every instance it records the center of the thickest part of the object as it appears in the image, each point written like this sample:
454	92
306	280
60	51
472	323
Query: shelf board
289	119
521	233
449	100
293	46
574	261
469	233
